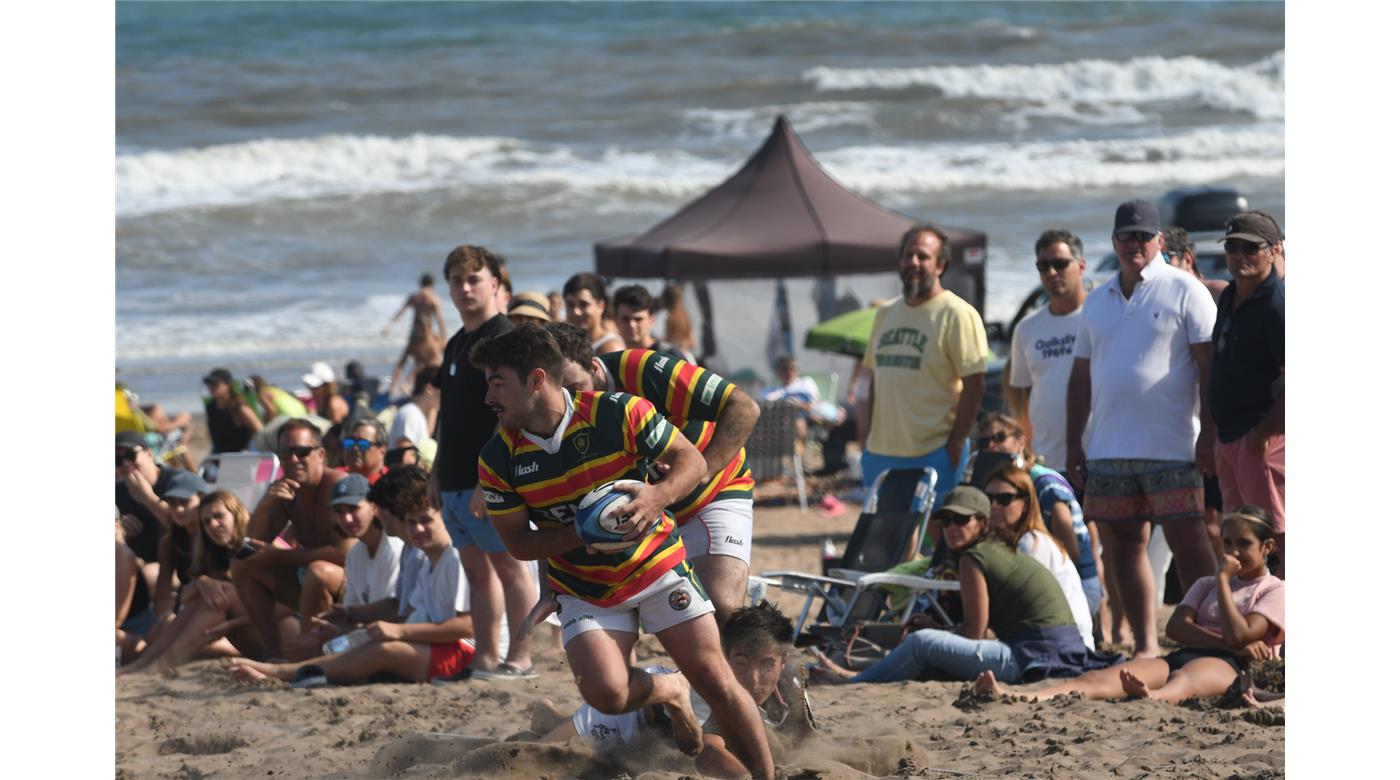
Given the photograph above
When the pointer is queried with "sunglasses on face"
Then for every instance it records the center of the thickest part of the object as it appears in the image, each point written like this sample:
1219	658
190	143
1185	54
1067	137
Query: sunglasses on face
1137	236
997	438
128	456
1004	499
1059	264
951	519
302	452
1243	247
362	445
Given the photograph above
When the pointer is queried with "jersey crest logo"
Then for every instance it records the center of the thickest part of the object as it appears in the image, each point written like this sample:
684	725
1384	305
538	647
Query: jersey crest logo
581	443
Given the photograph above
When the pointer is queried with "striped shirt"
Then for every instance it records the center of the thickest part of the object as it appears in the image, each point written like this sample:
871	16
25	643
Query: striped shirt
692	399
607	436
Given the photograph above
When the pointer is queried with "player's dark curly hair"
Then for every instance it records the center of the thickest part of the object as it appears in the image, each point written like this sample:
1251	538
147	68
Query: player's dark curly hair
751	626
521	349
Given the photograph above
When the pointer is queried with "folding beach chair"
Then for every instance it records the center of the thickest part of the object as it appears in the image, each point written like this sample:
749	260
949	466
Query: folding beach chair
770	448
245	474
892	520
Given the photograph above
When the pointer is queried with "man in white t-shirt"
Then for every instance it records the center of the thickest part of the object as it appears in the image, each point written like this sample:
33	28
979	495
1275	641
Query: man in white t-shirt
1042	346
372	565
1141	360
415	419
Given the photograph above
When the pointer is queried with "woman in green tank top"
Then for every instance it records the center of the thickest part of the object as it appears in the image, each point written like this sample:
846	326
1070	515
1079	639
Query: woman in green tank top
1016	622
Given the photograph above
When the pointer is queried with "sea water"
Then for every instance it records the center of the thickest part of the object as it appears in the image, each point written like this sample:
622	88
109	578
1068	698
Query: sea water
286	171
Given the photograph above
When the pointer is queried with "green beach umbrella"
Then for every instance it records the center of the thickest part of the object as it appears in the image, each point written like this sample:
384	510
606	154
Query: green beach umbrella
846	334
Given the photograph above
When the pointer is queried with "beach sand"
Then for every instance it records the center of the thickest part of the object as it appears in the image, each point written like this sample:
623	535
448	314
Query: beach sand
197	722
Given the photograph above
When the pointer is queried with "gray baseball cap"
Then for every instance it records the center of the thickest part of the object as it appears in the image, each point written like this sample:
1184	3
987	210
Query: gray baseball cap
184	484
352	490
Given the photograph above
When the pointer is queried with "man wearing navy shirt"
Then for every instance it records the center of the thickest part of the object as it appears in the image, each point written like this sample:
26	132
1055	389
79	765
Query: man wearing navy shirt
1246	379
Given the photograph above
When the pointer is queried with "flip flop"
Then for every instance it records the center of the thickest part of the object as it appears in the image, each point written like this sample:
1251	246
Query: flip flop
309	676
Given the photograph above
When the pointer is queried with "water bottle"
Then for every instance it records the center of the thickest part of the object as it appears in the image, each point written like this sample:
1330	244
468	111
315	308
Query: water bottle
830	557
346	642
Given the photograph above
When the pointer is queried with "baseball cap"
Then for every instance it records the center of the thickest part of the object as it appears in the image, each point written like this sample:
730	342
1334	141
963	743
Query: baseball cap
321	373
351	490
1136	216
966	500
184	484
529	304
131	439
218	375
1252	227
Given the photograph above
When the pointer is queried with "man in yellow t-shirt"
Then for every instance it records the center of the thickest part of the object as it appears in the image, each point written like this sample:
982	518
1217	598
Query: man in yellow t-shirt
928	354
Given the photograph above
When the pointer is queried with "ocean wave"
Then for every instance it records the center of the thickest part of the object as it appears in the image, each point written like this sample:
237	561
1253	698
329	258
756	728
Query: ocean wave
613	178
1196	156
264	170
743	123
1256	88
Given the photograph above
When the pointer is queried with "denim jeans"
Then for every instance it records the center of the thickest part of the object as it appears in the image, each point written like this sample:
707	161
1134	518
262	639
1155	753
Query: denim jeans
952	654
949	474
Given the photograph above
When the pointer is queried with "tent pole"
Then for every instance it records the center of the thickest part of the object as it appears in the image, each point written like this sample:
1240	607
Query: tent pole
707	317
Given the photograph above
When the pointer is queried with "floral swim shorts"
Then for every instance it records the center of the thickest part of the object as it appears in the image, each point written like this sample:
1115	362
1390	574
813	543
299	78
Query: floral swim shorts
1136	489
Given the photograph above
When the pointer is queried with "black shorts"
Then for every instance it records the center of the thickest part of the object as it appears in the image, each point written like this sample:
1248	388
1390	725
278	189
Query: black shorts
1186	655
1214	500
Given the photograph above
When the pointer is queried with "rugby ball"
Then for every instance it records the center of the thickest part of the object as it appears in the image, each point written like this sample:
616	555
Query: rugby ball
597	518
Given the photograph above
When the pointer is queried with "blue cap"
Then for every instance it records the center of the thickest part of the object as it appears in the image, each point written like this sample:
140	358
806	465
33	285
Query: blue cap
184	484
351	490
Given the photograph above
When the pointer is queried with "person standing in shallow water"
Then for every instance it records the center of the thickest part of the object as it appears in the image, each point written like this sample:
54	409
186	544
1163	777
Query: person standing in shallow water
424	344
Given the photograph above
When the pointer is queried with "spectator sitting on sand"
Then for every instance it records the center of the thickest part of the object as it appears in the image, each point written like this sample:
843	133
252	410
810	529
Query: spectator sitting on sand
293	527
1059	509
1016	512
372	565
416	419
140	481
363	447
134	614
210	610
756	641
232	422
179	504
1223	622
1003	590
434	641
325	393
382	496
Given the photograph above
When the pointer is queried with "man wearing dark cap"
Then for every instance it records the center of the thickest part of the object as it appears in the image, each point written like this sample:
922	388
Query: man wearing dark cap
1246	378
1142	358
140	480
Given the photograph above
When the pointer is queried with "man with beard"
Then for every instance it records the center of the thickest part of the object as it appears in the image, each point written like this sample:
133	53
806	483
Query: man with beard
928	354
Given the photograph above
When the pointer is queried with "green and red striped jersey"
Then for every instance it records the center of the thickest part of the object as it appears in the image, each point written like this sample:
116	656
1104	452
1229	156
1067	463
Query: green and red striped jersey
692	398
608	436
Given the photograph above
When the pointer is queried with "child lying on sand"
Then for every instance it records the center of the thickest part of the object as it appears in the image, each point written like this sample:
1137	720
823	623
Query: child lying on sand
1237	614
435	639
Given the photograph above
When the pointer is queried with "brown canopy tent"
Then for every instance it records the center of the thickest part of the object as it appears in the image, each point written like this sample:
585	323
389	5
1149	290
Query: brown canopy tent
781	215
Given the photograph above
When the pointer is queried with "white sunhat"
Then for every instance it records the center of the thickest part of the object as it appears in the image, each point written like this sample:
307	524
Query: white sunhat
321	373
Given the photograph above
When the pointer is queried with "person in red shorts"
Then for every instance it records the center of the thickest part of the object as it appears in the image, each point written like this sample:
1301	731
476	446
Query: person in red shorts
433	641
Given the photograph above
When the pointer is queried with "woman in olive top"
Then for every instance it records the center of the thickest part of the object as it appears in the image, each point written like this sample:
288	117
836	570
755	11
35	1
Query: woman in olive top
1016	621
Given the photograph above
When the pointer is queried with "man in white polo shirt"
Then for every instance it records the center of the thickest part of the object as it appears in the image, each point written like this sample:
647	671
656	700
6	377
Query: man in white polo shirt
1042	346
1141	360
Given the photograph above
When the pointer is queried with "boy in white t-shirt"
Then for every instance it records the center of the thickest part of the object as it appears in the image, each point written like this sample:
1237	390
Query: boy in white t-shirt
372	565
435	639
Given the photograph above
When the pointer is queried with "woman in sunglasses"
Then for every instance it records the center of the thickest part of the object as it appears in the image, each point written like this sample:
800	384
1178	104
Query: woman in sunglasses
1060	513
1016	514
1016	621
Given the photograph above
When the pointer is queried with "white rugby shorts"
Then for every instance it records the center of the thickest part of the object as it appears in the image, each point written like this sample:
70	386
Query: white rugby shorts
721	528
669	601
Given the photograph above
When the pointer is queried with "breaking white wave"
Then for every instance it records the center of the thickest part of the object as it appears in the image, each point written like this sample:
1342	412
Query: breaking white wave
1255	88
1194	156
744	123
245	173
248	173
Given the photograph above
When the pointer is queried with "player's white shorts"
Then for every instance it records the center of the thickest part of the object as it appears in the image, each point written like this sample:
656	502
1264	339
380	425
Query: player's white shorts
721	528
669	601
